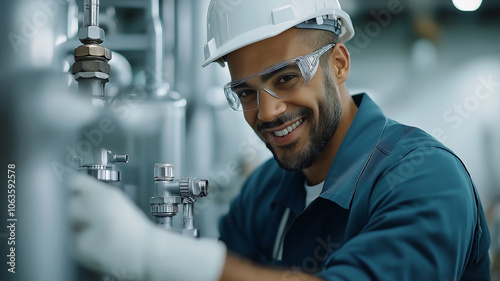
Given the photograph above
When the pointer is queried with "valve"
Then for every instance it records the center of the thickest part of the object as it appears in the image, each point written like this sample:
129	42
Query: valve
102	166
170	192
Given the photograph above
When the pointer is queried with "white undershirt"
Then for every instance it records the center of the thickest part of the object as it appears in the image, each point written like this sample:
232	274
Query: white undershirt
312	192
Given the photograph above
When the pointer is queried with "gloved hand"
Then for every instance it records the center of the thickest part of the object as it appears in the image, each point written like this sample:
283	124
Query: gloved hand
111	234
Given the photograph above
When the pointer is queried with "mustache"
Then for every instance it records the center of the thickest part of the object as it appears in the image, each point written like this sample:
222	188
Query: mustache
284	118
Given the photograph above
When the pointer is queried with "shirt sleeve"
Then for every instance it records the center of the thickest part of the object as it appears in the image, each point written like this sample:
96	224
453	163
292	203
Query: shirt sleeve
239	229
422	220
233	230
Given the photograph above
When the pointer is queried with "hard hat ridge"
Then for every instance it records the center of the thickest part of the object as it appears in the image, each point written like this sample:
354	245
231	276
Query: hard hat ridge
333	26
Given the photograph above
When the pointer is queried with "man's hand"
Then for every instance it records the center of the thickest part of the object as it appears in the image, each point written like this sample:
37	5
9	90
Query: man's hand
111	234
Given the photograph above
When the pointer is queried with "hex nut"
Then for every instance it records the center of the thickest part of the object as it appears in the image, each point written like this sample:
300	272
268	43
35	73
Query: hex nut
91	33
108	54
91	66
92	50
93	74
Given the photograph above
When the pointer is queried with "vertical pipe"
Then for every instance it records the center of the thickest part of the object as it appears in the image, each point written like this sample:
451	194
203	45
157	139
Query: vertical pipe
169	25
96	88
155	81
93	78
91	13
33	140
188	215
165	222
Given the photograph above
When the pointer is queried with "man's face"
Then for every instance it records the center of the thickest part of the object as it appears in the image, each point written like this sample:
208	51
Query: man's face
309	117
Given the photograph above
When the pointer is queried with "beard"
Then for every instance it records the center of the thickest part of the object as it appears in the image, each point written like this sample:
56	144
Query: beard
321	131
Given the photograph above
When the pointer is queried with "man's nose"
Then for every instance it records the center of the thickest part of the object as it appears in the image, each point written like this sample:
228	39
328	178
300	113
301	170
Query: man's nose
269	106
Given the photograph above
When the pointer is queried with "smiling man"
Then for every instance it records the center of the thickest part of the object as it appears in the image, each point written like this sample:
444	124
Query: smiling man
299	128
348	195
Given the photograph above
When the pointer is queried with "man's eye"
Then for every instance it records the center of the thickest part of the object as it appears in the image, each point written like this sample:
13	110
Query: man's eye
287	81
245	93
287	78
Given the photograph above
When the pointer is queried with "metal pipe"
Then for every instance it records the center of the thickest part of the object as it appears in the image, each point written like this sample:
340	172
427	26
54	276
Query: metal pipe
165	222
91	13
155	81
94	88
91	67
188	216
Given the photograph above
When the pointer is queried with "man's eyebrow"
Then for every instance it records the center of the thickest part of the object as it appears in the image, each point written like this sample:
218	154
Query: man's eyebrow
241	85
267	76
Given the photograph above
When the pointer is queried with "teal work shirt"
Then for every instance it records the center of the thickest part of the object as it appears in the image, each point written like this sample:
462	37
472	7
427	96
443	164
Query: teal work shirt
396	205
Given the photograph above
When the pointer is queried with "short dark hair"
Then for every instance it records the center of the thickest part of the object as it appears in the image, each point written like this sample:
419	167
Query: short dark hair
316	39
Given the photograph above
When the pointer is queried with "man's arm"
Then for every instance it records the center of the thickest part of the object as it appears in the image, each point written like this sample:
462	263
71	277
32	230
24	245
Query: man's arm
421	227
237	269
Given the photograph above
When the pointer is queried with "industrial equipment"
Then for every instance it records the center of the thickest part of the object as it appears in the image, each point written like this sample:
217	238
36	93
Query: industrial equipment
170	192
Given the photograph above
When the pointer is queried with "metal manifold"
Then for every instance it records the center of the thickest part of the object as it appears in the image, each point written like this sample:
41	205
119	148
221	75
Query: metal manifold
170	192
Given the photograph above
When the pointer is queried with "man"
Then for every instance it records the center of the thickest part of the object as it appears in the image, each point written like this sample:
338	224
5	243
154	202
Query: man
349	195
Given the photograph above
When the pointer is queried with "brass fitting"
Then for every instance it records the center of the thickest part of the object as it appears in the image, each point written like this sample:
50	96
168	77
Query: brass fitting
92	50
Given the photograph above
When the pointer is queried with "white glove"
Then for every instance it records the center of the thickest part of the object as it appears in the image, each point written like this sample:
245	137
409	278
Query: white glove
112	235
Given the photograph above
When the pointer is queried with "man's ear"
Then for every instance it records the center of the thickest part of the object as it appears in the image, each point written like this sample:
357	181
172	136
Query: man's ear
340	63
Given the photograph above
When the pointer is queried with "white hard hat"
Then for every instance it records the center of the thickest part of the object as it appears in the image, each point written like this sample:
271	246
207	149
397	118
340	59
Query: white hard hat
233	24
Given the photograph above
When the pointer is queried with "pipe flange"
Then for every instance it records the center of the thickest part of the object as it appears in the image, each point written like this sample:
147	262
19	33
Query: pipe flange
103	175
96	167
164	210
184	187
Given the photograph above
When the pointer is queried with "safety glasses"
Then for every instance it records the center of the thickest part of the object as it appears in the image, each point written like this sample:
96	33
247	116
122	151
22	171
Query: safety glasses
280	81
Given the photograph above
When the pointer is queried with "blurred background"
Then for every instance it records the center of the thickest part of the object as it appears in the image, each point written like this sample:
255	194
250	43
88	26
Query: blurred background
430	64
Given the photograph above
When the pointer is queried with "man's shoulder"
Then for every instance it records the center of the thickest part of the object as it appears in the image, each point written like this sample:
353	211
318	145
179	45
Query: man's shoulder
409	155
398	140
406	152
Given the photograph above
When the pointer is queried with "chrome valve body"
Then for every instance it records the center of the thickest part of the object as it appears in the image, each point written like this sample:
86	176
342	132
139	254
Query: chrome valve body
102	166
170	192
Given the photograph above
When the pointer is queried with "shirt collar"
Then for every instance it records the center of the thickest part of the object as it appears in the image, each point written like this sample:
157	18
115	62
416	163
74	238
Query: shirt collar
291	193
357	145
361	138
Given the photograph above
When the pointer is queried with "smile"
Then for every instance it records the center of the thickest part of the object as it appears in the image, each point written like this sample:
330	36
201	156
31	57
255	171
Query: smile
288	129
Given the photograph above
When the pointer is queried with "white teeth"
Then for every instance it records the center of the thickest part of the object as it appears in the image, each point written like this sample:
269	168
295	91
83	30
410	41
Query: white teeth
288	129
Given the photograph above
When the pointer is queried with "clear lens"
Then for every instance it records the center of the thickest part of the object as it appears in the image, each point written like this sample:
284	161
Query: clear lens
280	81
